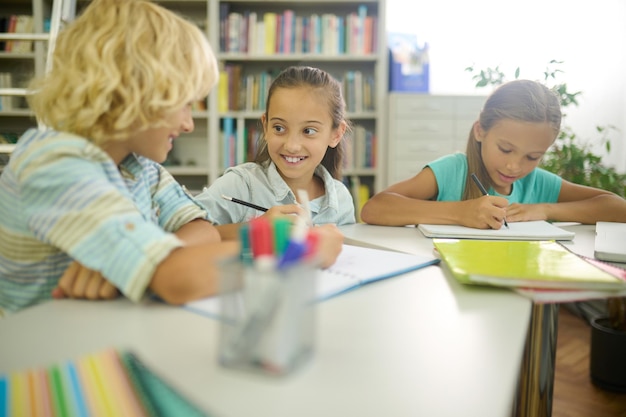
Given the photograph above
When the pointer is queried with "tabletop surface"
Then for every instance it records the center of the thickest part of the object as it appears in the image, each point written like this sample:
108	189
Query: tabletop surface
415	344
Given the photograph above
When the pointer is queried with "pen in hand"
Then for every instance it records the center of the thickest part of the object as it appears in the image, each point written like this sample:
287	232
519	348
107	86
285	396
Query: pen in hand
482	190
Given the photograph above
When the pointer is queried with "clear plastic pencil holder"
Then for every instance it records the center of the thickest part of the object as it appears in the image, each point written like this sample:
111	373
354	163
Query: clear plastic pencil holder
267	317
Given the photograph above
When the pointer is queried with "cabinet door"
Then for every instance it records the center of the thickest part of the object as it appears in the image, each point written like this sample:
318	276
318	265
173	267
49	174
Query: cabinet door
425	127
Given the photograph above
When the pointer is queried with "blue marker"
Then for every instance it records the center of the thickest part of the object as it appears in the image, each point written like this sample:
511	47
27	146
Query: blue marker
296	248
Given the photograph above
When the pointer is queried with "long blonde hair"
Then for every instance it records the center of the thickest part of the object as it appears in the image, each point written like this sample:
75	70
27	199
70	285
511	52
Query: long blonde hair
120	67
522	100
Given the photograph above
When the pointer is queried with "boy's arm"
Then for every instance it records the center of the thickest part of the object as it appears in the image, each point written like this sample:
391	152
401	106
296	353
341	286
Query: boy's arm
191	272
197	232
78	281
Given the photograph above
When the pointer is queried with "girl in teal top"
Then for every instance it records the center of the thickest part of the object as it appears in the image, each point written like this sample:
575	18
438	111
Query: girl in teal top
519	122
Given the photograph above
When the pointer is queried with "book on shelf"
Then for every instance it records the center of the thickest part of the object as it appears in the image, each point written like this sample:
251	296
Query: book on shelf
362	195
105	383
10	26
229	141
523	264
17	23
290	32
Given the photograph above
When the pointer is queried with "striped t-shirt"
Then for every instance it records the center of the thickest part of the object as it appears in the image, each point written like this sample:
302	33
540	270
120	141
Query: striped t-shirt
62	198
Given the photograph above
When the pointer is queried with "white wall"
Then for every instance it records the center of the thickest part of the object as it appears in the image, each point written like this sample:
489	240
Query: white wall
589	36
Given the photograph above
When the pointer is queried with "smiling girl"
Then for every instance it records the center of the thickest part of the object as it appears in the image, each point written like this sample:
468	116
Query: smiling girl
301	148
519	122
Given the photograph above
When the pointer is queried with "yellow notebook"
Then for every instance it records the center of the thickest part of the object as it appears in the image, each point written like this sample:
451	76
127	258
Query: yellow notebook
531	264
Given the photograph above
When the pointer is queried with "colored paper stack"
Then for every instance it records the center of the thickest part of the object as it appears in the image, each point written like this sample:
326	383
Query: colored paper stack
107	383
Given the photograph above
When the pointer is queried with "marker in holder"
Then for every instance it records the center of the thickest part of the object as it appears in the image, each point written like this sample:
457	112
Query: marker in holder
267	310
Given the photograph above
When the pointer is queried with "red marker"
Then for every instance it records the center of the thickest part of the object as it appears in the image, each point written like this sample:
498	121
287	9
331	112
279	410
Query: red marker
261	238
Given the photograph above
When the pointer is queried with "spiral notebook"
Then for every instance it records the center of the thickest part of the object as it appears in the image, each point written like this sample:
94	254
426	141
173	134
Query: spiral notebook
356	266
532	230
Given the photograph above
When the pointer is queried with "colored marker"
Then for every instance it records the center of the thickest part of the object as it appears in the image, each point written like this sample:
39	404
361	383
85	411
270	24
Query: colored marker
484	192
297	244
246	249
261	242
281	226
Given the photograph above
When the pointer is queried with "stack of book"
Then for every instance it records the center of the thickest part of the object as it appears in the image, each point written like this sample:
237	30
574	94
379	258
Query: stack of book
545	271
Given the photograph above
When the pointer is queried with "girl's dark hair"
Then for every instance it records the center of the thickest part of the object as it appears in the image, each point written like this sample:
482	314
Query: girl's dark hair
303	76
521	100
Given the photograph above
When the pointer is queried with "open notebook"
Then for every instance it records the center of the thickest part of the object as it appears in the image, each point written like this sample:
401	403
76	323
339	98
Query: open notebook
355	267
533	230
610	242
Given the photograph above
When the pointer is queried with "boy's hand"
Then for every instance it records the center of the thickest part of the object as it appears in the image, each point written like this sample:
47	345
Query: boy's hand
81	282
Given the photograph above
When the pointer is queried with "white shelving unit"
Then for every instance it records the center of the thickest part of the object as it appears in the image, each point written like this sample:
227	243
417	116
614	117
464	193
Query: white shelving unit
423	127
197	158
15	118
18	64
200	156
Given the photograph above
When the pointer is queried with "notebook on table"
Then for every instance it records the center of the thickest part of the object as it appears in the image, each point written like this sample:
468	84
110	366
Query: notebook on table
524	264
532	230
355	267
610	242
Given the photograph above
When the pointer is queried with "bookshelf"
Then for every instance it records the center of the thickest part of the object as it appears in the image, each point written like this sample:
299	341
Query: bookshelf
240	35
200	157
19	60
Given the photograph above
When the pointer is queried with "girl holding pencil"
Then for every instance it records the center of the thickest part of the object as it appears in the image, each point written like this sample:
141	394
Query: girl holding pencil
519	122
301	148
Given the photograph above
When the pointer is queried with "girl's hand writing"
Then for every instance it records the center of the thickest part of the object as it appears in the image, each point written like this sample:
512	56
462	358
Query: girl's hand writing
487	212
79	281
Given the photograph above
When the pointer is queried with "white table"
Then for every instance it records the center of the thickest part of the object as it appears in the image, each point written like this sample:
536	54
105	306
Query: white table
417	344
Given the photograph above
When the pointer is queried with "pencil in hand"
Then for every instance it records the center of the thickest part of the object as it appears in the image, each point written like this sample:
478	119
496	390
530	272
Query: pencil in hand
484	192
244	203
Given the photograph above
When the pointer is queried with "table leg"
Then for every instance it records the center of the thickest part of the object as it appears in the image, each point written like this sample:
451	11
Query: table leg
536	384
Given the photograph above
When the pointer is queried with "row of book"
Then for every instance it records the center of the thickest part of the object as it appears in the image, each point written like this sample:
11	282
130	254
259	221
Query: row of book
238	91
17	23
106	383
290	33
359	145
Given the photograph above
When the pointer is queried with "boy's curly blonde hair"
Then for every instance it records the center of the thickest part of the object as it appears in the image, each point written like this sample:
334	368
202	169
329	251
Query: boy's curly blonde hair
120	67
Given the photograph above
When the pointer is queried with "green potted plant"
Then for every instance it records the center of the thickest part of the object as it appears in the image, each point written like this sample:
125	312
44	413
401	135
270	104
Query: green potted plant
574	160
